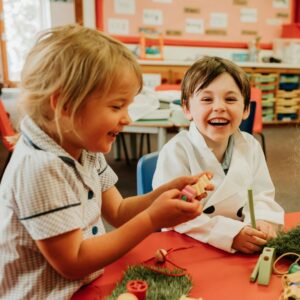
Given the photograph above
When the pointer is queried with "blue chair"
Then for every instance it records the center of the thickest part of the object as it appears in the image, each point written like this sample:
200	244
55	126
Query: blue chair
248	124
145	170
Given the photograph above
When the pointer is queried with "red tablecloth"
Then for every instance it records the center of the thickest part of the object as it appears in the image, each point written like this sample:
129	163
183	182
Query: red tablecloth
215	273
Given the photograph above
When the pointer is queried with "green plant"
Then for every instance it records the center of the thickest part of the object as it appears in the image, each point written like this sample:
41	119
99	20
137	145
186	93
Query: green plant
286	241
160	286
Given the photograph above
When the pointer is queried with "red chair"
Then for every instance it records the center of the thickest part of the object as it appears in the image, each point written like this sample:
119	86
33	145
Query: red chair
6	130
168	87
256	96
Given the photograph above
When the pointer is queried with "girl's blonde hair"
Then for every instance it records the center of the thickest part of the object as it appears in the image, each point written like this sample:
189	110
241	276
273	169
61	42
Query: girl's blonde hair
71	62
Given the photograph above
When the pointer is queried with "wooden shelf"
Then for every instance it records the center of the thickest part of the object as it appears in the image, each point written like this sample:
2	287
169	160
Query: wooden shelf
172	72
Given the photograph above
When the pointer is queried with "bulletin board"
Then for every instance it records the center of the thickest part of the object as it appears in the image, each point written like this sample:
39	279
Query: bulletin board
216	23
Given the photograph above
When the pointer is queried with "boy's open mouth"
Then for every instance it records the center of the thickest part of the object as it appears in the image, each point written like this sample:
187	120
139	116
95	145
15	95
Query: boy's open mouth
218	122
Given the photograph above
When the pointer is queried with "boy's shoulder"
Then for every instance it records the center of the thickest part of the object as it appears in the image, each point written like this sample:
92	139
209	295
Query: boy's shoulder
182	135
242	136
179	140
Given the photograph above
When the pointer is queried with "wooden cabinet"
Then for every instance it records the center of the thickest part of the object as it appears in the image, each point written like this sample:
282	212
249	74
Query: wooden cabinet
280	85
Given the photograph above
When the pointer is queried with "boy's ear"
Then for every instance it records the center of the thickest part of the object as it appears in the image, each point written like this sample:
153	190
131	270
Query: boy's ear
246	113
186	110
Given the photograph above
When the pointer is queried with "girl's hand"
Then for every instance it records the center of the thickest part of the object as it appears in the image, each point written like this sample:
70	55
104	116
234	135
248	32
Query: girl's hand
268	228
167	210
180	182
249	240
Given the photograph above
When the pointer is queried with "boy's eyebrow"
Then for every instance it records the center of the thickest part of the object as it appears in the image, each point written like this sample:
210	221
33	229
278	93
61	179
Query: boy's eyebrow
211	91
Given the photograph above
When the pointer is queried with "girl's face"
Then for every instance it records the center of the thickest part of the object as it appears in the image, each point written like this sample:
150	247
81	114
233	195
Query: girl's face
101	119
217	110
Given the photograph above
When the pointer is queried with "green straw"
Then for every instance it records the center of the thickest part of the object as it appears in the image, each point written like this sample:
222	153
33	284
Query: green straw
251	208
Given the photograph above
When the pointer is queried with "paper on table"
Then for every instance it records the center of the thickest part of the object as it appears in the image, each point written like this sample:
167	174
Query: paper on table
159	114
143	104
168	96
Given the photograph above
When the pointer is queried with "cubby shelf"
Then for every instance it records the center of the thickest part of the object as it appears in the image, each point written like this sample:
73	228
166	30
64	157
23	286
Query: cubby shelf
275	78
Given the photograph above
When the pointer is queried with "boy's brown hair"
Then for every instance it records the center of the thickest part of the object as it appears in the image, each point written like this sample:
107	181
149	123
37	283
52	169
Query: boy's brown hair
205	70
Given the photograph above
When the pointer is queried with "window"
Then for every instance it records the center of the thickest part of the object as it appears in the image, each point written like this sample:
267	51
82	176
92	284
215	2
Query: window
22	19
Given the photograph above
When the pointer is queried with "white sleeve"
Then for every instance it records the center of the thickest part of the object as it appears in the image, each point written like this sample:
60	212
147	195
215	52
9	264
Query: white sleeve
217	231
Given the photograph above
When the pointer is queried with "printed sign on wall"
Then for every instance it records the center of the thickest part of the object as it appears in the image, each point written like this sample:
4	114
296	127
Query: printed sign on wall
152	17
126	7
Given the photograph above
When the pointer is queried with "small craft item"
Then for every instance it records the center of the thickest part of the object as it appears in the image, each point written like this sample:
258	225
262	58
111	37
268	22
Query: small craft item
251	208
127	296
291	293
137	288
263	268
293	268
161	263
184	297
290	276
190	192
291	285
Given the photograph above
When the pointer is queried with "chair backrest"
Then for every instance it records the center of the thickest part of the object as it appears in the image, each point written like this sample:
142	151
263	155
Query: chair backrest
144	174
256	95
6	128
248	124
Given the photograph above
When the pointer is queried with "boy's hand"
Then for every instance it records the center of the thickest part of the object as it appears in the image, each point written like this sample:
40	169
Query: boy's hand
249	240
167	210
268	228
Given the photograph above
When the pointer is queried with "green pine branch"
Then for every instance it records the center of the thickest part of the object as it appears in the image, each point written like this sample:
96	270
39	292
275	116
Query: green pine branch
286	241
160	286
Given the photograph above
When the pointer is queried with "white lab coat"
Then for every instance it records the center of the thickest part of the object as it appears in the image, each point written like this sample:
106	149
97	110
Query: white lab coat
225	210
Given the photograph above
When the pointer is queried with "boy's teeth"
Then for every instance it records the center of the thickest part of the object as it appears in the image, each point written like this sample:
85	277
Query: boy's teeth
218	121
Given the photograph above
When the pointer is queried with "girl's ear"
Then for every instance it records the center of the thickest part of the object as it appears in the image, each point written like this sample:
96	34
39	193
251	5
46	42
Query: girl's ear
246	113
186	110
53	100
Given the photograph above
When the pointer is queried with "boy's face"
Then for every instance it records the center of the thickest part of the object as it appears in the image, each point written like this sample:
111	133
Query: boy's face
101	119
217	110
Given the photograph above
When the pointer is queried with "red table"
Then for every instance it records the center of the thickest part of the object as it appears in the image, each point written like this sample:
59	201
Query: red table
215	274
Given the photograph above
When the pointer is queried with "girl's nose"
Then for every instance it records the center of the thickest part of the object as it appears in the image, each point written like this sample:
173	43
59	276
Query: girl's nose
126	119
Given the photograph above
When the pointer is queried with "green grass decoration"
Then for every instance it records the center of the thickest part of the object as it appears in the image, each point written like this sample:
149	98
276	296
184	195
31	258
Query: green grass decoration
160	286
286	241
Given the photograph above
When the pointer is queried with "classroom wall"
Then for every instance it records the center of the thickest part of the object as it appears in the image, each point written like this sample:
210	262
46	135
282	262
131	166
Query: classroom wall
190	20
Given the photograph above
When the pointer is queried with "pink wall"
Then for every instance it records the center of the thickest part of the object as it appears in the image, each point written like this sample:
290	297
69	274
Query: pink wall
174	19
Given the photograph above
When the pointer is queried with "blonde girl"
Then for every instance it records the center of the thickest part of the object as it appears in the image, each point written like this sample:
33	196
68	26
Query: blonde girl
77	85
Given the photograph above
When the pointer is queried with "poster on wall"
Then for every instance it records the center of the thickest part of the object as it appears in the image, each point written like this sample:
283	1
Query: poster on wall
218	20
152	17
281	4
194	25
248	15
118	26
126	7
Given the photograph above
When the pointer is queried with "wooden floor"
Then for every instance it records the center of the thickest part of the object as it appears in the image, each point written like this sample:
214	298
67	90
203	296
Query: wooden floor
283	158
